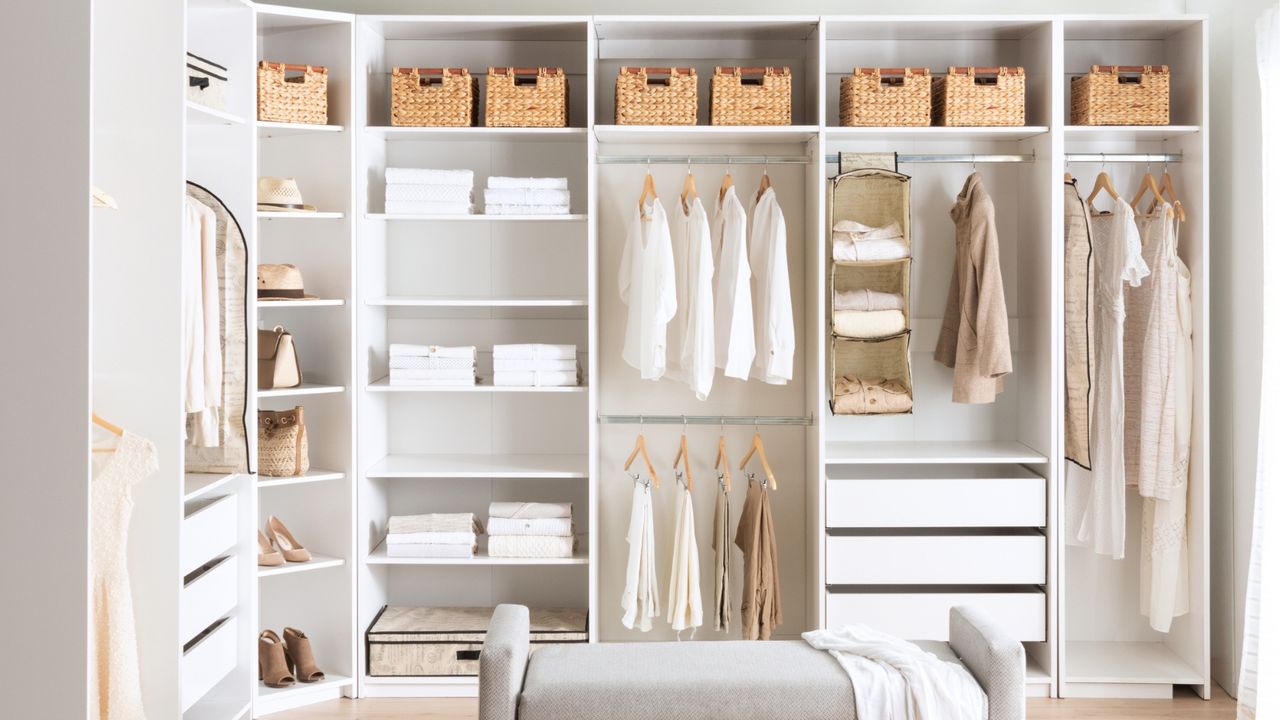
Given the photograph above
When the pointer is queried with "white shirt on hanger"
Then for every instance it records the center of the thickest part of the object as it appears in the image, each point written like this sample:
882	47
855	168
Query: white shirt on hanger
775	333
734	330
691	351
646	283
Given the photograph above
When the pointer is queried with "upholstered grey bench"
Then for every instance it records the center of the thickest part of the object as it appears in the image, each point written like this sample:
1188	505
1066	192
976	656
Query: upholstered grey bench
777	680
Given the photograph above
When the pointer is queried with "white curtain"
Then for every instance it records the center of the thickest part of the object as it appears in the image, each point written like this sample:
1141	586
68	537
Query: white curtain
1261	654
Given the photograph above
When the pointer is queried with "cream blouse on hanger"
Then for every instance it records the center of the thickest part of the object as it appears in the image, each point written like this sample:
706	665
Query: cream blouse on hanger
646	283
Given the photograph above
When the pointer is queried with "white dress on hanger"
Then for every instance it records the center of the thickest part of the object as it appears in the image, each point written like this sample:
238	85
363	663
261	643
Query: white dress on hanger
734	327
691	347
646	283
684	594
775	326
202	331
640	601
1095	502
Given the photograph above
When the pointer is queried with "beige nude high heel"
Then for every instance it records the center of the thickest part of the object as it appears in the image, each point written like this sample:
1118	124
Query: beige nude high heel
273	666
297	648
292	550
268	556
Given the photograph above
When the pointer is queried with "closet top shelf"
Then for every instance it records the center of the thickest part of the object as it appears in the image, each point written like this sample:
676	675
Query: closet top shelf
931	453
705	133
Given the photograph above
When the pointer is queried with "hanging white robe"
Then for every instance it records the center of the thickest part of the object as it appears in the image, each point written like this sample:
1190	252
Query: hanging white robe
646	283
640	601
691	343
775	331
734	327
684	594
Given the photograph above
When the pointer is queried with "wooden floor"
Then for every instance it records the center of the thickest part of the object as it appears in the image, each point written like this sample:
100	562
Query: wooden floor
1184	706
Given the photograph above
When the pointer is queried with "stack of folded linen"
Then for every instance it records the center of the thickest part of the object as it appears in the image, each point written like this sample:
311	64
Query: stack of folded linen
526	196
432	365
867	314
437	535
854	242
533	365
531	530
422	191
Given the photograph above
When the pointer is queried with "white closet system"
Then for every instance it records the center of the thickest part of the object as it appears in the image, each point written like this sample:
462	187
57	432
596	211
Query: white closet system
965	500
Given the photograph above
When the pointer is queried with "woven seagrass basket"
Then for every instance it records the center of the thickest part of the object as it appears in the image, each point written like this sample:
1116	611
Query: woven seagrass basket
886	97
980	97
293	98
433	97
656	96
1121	95
751	96
526	97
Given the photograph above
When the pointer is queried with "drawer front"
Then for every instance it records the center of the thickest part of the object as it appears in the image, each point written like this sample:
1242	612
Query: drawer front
210	595
206	662
926	616
424	659
936	559
208	530
936	502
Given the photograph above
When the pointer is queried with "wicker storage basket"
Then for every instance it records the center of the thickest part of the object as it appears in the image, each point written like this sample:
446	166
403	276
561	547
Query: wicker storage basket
762	98
288	98
656	96
407	641
282	443
526	97
980	97
886	97
1121	95
433	97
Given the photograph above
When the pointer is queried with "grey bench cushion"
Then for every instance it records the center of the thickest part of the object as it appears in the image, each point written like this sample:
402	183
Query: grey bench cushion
784	680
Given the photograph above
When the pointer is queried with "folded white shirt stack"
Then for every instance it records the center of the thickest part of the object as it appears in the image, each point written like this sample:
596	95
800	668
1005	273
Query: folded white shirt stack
436	535
854	242
423	191
531	530
526	196
536	365
432	365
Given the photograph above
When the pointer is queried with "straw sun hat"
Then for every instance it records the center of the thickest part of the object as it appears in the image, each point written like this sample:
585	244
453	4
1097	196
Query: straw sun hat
281	195
281	282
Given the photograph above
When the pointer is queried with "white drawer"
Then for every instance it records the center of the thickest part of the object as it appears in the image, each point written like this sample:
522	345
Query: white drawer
208	530
208	659
926	615
885	496
936	559
211	594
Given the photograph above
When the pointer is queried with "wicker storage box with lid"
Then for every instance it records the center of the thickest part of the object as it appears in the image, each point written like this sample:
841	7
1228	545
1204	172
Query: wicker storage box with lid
293	98
886	97
433	97
406	641
763	97
980	97
1121	95
526	97
656	96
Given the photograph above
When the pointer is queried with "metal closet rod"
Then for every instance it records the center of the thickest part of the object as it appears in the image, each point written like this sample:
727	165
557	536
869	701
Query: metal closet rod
703	159
1124	157
965	158
706	419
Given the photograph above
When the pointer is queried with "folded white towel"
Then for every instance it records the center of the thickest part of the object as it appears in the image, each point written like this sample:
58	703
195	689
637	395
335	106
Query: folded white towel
434	522
864	299
428	208
432	382
429	176
531	526
431	538
525	196
418	362
529	183
530	510
460	374
536	351
435	351
431	550
847	250
491	209
535	378
858	231
532	546
868	323
429	193
501	364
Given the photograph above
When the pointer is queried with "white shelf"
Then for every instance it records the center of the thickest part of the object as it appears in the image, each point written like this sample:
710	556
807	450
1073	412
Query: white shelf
195	485
317	562
318	302
311	476
198	114
480	466
1129	133
281	129
478	217
303	389
271	700
485	385
484	134
476	302
1037	675
264	215
1150	663
379	557
935	133
932	453
419	687
705	134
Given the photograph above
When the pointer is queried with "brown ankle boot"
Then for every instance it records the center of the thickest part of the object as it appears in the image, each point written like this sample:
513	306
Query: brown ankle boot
301	660
273	667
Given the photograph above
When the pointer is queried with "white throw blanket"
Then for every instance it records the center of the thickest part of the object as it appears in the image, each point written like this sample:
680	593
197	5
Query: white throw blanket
526	364
434	522
525	196
684	594
436	351
532	546
530	510
498	181
896	680
431	538
428	176
562	527
419	362
535	378
535	351
640	602
429	193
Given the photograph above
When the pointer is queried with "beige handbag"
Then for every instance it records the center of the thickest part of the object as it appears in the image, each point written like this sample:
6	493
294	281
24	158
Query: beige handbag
282	443
277	360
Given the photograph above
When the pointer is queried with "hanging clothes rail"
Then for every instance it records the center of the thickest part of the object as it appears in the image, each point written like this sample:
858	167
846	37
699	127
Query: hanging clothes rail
747	420
703	159
954	158
1124	158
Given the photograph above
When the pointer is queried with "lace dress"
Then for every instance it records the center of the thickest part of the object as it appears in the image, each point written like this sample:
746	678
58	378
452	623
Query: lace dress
116	689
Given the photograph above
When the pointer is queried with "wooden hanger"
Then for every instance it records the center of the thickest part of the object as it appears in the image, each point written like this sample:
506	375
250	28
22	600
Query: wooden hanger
683	454
757	446
723	464
647	192
1166	188
1066	177
643	450
109	427
689	192
1148	183
1103	182
765	183
725	184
